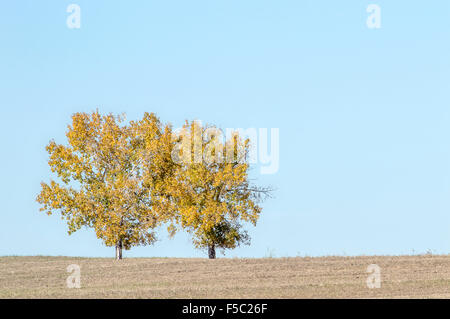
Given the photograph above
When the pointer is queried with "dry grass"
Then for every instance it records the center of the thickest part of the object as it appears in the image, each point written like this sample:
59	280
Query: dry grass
425	276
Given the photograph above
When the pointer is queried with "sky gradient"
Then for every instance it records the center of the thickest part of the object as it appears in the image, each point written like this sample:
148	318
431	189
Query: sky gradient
363	114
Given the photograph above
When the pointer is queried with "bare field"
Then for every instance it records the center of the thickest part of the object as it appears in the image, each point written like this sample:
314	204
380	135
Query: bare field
425	276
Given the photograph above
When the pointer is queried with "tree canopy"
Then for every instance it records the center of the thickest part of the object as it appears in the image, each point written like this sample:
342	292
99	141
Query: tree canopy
214	196
124	180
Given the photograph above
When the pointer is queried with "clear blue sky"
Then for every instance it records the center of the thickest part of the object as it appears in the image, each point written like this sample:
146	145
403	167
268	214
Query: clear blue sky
363	113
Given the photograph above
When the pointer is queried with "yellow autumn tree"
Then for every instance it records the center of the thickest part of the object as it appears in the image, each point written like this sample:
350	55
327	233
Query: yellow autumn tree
211	193
111	178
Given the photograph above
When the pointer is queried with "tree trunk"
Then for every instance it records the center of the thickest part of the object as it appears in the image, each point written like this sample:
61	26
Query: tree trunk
212	251
119	250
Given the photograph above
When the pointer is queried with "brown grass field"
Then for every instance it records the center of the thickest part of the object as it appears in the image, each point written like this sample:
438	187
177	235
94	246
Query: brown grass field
424	276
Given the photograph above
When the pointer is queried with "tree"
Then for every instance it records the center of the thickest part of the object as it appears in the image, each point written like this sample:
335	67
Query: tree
211	194
110	178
